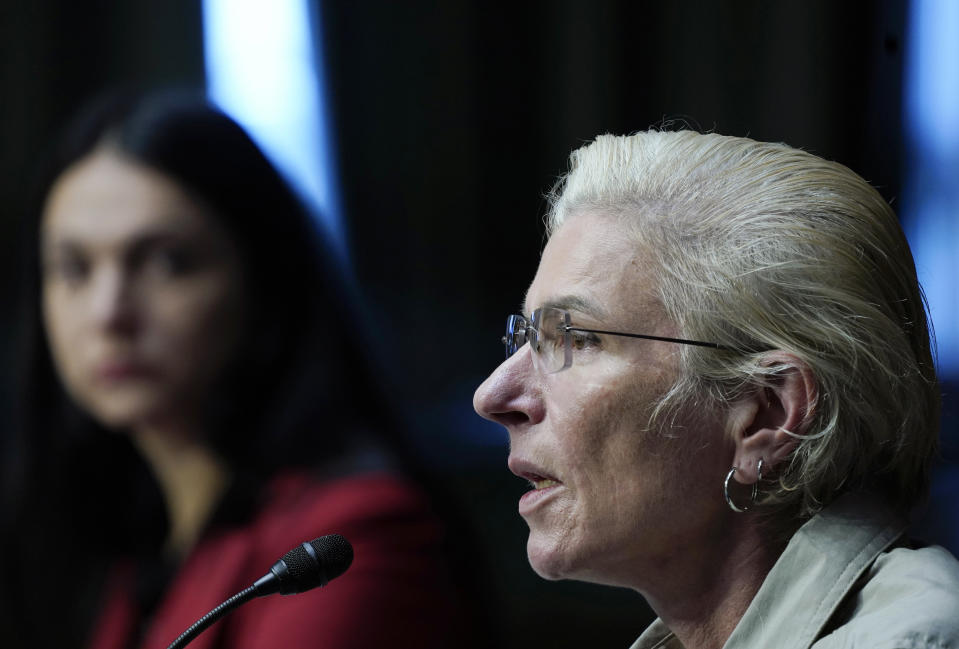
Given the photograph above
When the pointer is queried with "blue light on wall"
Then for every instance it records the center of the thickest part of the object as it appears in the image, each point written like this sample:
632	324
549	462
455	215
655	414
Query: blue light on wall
930	209
264	69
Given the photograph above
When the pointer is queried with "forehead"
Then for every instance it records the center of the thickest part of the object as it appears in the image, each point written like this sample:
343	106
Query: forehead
593	265
106	198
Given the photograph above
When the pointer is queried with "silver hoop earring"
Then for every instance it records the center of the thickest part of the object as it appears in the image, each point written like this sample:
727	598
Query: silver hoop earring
754	493
729	501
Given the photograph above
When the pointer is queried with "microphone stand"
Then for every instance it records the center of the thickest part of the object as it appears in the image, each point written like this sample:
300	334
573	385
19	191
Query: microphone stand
207	620
304	567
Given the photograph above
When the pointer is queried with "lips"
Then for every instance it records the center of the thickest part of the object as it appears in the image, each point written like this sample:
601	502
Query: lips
541	482
121	370
536	476
546	487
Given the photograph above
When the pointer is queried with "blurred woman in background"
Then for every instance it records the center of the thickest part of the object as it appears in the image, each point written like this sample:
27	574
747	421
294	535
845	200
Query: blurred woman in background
197	402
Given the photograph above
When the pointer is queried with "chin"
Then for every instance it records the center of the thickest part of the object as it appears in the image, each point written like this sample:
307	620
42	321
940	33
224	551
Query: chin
547	560
121	413
117	419
555	561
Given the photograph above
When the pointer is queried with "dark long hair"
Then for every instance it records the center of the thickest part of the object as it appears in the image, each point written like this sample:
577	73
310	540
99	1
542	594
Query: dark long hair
298	392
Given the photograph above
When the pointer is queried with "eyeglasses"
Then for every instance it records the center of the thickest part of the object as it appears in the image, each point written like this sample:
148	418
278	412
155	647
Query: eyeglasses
553	338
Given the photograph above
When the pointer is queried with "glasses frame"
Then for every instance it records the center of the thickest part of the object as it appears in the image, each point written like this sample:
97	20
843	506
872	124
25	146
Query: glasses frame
510	343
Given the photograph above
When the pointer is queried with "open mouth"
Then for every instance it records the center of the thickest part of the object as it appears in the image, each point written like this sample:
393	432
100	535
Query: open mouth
544	488
541	482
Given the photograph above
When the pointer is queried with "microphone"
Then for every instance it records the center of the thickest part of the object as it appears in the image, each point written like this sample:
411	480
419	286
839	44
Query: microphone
305	567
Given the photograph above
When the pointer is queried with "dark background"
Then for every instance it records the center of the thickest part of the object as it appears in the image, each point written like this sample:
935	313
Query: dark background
453	118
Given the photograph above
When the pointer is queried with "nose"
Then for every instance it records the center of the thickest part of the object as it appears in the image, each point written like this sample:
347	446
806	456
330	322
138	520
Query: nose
112	301
509	395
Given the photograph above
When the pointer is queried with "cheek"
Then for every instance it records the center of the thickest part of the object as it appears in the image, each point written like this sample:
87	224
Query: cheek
619	462
600	439
62	327
594	411
573	394
197	330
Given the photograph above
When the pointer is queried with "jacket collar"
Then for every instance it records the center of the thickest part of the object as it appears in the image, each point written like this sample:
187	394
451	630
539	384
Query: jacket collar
821	564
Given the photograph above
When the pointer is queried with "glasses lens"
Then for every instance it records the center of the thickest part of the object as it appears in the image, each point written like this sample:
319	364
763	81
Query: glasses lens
553	351
515	334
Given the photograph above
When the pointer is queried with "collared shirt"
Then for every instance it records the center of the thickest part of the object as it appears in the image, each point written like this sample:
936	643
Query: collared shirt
846	581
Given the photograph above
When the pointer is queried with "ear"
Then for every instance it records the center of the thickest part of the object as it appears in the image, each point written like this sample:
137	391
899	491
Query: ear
766	423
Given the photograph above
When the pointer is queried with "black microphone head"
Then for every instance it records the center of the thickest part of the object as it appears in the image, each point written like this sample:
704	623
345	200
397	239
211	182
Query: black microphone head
335	553
315	563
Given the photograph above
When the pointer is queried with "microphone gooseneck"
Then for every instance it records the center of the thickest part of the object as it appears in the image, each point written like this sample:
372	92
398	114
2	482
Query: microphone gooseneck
304	567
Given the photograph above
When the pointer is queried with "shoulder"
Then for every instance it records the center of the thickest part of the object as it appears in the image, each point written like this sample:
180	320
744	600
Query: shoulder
372	510
399	572
343	498
399	575
909	598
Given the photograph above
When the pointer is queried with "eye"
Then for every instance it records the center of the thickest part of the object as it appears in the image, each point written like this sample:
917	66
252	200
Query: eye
550	338
581	340
69	267
170	261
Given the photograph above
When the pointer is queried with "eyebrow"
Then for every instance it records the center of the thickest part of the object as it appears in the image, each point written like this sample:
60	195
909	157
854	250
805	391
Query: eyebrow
142	240
157	238
573	303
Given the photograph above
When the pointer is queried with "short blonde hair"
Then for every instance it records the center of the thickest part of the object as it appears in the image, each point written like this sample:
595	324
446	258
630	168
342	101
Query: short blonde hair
760	246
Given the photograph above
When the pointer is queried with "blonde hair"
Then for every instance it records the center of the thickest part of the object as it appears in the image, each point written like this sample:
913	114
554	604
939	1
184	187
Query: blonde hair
760	246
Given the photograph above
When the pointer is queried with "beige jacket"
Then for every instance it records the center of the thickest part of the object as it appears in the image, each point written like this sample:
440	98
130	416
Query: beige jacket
847	580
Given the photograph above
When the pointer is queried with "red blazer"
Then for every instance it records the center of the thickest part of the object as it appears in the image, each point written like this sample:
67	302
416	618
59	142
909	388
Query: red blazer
397	592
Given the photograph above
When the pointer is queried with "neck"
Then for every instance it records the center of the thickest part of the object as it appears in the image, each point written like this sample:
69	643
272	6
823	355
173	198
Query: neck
701	596
192	479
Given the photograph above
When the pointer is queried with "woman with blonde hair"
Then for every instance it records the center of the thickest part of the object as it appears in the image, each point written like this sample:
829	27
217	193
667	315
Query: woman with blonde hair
722	393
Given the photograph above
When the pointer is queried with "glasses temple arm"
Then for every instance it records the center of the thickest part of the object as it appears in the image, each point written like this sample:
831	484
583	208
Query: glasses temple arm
698	343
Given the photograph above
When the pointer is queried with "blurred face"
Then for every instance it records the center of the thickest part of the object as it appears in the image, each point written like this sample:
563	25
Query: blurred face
141	292
608	495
